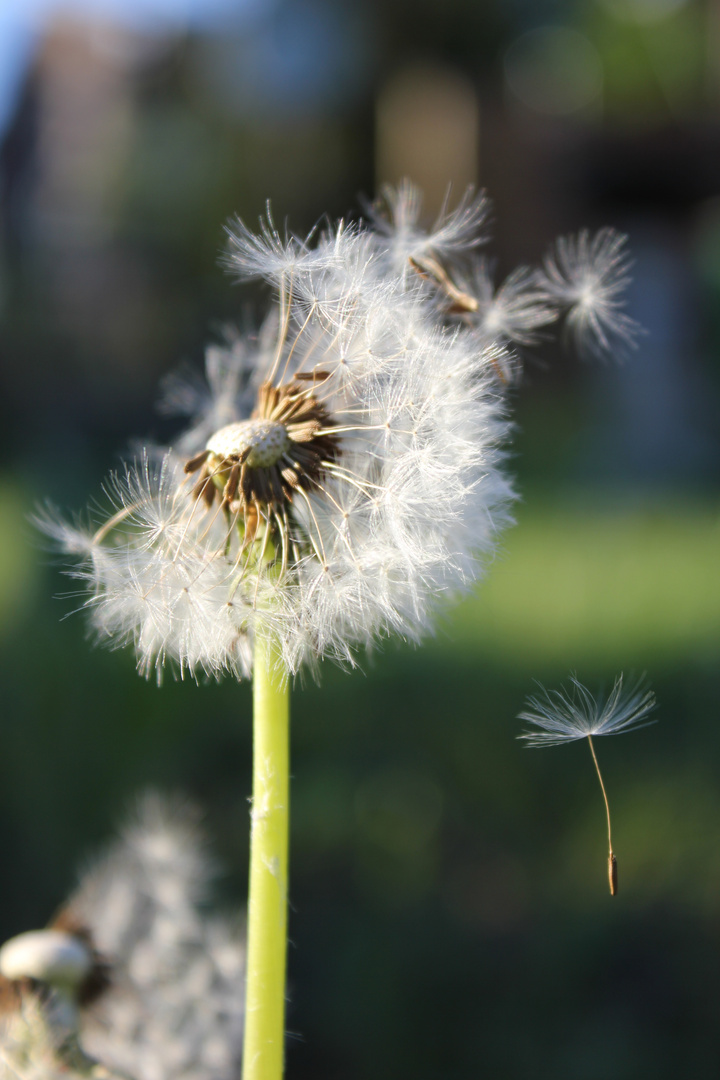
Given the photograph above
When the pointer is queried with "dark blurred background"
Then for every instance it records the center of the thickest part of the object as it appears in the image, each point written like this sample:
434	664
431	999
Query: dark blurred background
450	916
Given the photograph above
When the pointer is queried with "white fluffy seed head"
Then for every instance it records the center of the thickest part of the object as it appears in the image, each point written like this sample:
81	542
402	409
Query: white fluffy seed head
358	519
265	442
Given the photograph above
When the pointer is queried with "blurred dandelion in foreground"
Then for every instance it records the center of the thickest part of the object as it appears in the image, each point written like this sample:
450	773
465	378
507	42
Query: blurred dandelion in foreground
567	715
45	977
133	978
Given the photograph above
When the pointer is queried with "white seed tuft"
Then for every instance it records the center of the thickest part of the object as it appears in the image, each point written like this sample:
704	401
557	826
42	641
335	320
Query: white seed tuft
572	713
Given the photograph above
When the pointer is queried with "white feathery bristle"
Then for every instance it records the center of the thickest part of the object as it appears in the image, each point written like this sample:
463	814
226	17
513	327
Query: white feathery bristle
265	254
454	231
566	715
514	312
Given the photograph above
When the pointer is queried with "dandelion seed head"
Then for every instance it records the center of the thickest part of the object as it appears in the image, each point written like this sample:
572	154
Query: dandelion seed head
342	472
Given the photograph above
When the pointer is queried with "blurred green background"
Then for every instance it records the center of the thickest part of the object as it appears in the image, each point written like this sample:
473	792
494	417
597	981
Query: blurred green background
450	915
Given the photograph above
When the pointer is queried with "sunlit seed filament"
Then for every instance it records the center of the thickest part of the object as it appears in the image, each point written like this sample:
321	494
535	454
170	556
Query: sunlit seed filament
612	861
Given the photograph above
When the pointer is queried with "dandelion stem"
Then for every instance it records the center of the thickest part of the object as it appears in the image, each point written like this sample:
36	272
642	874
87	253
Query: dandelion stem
612	861
267	906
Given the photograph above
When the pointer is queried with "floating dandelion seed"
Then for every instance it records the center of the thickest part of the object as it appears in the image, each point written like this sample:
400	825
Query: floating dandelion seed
567	715
585	277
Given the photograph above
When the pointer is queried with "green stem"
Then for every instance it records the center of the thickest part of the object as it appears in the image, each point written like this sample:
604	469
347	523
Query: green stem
267	906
